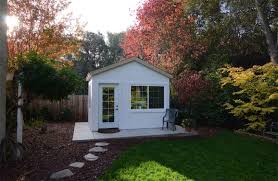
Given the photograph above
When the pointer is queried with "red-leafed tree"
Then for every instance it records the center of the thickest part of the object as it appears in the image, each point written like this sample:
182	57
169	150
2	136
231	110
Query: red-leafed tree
162	34
189	85
47	27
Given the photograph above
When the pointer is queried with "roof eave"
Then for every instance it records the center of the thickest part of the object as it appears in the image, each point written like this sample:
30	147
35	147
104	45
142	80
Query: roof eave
123	62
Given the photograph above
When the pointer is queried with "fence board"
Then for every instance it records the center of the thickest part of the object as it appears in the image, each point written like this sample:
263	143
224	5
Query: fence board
77	104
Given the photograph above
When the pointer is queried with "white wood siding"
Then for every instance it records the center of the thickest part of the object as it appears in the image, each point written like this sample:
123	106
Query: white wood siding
125	76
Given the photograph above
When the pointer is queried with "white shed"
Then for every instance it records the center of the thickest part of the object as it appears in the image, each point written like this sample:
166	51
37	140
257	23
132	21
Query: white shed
130	94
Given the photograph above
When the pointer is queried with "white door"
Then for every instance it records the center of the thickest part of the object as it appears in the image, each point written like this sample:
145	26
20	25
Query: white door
108	110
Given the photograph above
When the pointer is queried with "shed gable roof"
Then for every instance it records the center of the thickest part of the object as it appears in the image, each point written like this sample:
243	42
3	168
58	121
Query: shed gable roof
124	62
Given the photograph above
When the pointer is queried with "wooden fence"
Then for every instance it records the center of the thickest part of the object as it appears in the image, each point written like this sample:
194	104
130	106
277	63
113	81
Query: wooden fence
77	104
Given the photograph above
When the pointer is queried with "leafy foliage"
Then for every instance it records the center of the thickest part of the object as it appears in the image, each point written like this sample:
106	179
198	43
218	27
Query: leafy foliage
38	114
35	123
228	27
96	53
189	85
114	42
41	79
163	34
45	26
255	95
201	98
66	115
93	53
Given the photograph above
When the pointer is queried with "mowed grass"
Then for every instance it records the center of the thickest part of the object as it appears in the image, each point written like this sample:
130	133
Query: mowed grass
225	157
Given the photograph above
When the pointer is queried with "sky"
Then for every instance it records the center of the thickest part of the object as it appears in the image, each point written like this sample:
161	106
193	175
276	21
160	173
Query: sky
106	15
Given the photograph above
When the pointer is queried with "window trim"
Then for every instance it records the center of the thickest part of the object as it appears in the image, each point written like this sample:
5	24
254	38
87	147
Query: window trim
148	109
147	106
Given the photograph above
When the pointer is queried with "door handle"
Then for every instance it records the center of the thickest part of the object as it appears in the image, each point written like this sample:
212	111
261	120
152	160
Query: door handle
117	108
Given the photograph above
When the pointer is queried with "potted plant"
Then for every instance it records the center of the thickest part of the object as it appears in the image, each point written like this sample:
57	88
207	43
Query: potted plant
187	124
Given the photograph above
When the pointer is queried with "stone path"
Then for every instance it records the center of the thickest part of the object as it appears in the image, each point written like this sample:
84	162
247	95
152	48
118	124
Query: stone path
77	164
102	144
61	174
98	149
89	157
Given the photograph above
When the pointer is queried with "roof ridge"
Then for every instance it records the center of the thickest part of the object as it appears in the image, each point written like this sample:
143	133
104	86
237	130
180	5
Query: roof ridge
126	61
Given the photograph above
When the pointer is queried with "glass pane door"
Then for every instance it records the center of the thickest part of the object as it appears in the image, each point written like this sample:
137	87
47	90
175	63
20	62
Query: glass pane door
108	104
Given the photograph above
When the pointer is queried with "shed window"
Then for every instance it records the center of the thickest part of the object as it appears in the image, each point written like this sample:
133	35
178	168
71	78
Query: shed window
139	97
156	97
147	97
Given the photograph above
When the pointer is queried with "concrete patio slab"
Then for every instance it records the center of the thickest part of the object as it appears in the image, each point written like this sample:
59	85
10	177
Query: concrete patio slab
82	132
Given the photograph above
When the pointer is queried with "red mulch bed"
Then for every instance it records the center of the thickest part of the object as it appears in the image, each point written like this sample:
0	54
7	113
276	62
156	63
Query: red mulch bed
54	151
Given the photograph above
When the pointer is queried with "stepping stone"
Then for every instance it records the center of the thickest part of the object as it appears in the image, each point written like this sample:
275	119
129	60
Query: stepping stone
77	164
98	149
90	157
61	174
102	144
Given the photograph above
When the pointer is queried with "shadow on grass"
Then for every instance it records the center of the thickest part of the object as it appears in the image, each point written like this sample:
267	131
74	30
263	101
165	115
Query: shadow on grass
226	157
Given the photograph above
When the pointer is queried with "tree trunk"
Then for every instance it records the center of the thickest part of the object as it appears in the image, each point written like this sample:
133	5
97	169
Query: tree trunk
3	67
272	48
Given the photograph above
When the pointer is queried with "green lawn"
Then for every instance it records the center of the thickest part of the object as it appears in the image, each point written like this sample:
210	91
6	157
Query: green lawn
225	157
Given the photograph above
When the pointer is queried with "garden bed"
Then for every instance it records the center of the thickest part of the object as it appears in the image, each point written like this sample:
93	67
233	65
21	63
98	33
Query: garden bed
54	150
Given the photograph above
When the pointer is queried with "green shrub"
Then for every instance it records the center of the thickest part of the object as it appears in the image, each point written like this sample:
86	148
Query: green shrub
41	77
208	109
206	106
188	123
35	123
255	94
43	114
66	115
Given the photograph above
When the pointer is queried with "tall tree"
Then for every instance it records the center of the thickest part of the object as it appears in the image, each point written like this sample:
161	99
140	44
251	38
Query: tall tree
114	42
93	53
3	67
228	26
269	35
163	34
44	26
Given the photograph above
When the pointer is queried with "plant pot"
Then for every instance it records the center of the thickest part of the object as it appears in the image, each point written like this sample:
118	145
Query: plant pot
188	129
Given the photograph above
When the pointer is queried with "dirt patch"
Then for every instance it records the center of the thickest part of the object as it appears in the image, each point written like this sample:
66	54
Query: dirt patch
54	151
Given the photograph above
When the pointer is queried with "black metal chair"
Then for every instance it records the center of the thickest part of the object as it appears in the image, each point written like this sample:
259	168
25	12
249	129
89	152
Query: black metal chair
170	119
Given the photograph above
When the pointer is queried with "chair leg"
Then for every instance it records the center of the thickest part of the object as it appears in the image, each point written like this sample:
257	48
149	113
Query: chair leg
174	127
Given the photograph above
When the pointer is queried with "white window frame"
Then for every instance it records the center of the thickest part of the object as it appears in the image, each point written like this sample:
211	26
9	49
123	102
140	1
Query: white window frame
148	109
